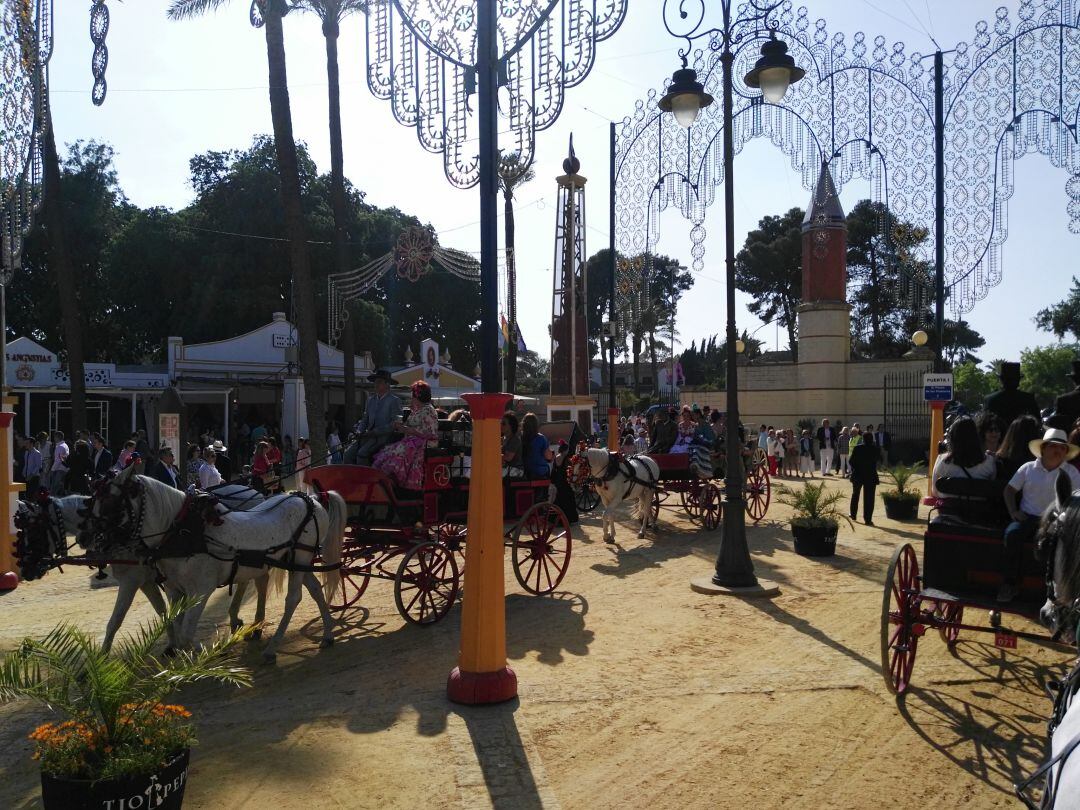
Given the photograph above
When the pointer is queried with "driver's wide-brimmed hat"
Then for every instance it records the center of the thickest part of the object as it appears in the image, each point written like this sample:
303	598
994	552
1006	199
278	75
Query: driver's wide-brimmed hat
1054	436
382	374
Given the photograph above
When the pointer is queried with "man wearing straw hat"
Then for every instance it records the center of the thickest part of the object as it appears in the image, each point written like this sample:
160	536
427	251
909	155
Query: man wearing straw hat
374	428
1035	484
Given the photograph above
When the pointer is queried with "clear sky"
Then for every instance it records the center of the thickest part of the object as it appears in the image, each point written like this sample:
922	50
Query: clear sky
178	89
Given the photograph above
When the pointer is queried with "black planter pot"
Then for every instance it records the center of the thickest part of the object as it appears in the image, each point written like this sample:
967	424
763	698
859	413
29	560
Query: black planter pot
815	541
901	508
161	791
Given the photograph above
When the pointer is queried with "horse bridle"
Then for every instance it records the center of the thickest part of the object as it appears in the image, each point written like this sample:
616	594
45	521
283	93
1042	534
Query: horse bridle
1064	615
35	558
130	503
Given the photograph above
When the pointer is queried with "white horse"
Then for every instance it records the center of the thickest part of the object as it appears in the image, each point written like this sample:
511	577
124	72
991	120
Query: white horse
133	577
289	530
620	479
1059	535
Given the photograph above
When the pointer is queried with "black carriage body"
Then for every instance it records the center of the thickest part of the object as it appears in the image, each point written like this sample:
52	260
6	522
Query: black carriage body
963	547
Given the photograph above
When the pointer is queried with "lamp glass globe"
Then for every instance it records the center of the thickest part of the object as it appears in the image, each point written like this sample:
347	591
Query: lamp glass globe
740	347
774	82
920	338
685	108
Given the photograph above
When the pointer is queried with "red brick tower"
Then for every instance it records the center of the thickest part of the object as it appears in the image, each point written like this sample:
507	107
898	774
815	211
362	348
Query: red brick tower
824	316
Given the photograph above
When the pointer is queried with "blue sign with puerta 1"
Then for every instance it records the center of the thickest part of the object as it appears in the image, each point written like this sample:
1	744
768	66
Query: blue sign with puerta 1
937	387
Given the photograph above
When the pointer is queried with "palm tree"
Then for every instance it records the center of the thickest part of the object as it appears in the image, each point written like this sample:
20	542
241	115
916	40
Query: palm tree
332	12
66	287
513	172
272	12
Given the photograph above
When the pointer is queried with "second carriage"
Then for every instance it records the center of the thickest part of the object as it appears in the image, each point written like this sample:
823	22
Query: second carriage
700	496
416	539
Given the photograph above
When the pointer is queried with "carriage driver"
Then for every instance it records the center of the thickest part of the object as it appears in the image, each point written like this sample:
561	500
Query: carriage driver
374	428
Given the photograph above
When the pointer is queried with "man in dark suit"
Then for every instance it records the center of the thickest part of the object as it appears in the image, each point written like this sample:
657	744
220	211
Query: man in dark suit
1010	402
164	469
884	444
1067	406
102	458
666	431
827	438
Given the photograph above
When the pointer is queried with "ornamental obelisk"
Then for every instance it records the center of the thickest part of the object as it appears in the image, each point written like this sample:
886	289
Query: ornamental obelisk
570	397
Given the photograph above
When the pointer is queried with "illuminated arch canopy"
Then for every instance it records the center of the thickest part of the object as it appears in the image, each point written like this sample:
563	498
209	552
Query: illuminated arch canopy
421	56
866	107
25	48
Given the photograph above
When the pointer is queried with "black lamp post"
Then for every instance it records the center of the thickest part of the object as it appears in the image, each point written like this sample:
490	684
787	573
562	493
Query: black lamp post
774	72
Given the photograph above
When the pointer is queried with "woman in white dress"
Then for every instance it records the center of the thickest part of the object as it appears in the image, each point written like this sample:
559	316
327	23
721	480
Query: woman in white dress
208	472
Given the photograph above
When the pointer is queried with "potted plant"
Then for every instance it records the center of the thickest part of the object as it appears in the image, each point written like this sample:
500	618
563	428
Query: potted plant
902	501
817	518
118	744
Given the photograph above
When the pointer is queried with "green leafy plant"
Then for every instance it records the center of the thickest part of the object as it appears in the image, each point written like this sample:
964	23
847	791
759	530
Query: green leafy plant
899	476
815	507
116	720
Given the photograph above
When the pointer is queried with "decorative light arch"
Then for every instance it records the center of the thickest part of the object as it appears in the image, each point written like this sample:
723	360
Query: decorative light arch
1014	90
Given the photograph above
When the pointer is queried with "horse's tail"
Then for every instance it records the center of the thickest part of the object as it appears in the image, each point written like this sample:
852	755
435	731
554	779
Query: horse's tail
335	536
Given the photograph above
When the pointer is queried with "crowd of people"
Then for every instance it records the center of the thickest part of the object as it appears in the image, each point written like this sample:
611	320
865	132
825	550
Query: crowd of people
71	467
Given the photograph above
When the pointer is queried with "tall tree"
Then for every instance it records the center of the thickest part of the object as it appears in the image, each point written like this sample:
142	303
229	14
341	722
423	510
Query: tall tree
332	12
513	172
1062	318
886	280
1045	369
769	269
64	270
273	12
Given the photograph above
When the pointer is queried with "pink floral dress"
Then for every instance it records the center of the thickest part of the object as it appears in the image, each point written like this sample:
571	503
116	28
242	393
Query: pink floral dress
404	460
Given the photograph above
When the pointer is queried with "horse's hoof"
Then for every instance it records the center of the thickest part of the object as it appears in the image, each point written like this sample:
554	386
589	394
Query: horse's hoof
256	634
170	651
610	540
326	642
269	657
233	628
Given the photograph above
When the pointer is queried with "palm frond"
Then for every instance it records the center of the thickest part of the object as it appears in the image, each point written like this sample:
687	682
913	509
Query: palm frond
189	9
218	662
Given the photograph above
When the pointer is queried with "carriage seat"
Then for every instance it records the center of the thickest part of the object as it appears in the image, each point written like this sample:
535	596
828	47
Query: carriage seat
973	501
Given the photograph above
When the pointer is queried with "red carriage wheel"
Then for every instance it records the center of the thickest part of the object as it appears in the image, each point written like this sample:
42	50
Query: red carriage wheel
758	493
900	628
452	535
354	579
951	613
541	548
691	498
711	505
426	584
656	505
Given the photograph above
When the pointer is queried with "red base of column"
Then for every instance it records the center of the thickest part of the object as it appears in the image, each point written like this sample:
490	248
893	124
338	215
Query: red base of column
9	581
475	688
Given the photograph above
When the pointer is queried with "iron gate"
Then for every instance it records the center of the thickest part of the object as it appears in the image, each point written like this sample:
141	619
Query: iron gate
907	417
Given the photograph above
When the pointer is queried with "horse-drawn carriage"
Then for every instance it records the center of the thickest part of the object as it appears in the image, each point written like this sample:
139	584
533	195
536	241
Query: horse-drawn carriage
702	497
699	495
961	564
416	538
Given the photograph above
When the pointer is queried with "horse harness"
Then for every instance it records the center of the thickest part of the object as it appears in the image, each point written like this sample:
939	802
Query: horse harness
617	463
1067	690
186	536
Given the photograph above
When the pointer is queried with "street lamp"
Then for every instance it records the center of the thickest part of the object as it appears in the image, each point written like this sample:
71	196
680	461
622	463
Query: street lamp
774	72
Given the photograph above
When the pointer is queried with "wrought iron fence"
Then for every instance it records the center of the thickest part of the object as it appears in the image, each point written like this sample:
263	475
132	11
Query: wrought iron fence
906	415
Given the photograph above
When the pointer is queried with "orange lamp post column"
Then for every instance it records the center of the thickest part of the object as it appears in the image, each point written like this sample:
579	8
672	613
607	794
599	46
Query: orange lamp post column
937	433
8	493
482	675
613	429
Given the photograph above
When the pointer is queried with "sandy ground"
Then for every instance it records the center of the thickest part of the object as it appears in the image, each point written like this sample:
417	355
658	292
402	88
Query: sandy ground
634	692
